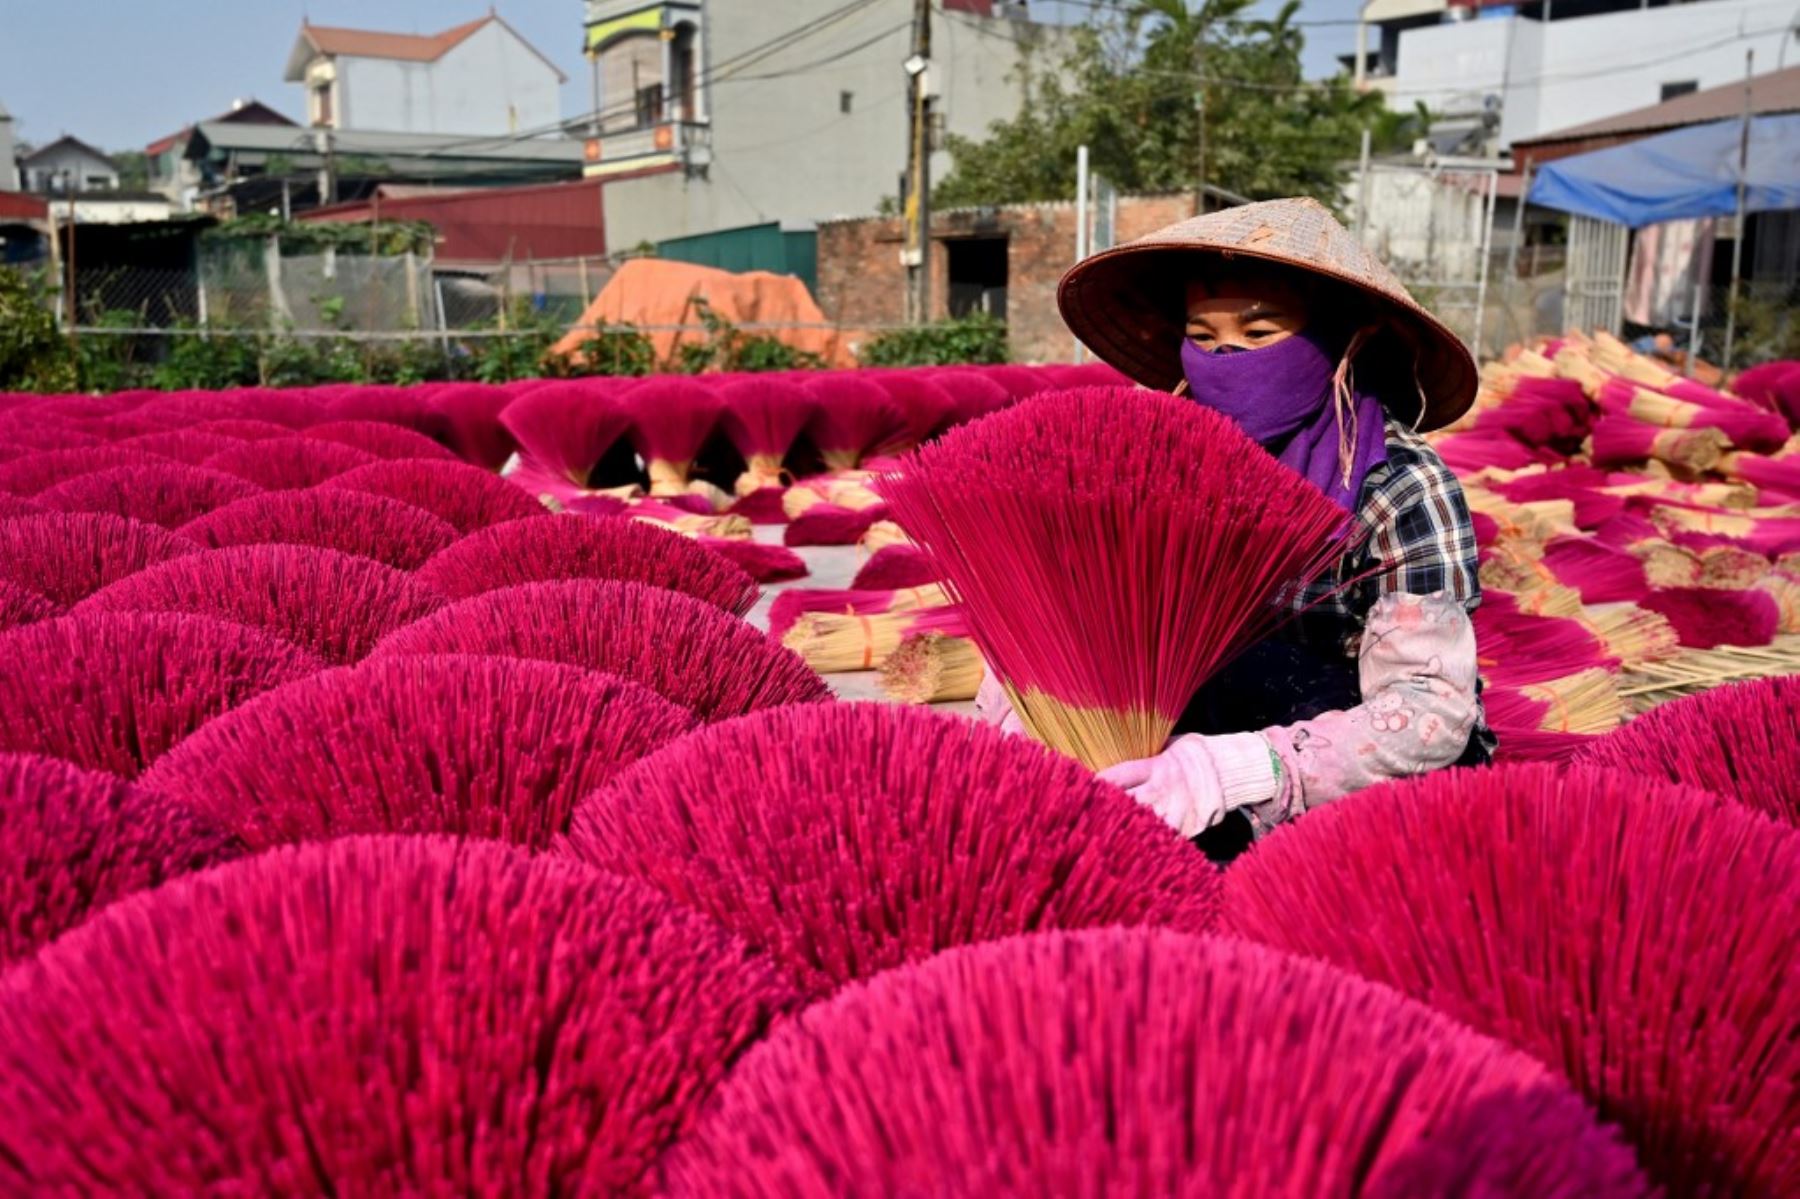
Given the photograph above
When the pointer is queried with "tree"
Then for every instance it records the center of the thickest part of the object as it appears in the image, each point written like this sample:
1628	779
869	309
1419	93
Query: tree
134	170
33	354
1130	90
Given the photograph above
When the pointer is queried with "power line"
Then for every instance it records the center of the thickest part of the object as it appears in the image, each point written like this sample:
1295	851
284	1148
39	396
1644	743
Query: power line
789	72
758	54
720	72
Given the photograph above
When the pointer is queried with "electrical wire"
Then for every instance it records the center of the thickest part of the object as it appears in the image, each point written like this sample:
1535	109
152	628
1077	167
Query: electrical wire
719	72
804	68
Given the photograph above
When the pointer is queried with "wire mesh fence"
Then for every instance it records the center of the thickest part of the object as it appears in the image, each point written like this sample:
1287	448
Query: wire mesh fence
254	286
276	316
141	297
322	292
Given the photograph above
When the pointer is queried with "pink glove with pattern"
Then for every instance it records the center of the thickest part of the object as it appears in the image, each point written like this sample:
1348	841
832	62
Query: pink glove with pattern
992	706
1196	780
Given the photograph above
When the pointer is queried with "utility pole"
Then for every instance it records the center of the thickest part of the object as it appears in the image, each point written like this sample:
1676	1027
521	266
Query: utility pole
1742	218
1083	242
594	79
69	179
918	175
327	166
1200	113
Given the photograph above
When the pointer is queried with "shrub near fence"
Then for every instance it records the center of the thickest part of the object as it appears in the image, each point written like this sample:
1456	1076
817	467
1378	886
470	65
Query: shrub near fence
116	352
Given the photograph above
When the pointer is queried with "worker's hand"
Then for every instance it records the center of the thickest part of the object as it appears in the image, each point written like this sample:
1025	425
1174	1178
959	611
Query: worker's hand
1196	780
992	706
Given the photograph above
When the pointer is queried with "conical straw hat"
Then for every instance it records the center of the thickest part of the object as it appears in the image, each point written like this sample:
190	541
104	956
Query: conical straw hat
1125	304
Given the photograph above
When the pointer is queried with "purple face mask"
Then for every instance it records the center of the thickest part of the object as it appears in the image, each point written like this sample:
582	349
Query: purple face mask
1283	397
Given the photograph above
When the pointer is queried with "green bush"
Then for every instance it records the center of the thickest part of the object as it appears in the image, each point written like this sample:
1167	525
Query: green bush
729	348
33	354
385	238
611	350
517	352
1768	329
109	362
977	339
197	361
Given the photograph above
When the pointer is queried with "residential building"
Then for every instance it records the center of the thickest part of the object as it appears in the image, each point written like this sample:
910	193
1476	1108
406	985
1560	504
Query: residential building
1508	73
728	115
68	164
175	175
9	154
478	78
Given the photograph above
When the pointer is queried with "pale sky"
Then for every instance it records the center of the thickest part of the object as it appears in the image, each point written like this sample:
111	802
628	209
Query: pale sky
122	73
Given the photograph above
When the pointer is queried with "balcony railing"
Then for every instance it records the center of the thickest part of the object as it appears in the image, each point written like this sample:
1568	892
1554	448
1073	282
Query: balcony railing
685	142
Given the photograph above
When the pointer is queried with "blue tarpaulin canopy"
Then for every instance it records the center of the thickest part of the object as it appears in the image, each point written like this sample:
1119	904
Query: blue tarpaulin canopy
1680	175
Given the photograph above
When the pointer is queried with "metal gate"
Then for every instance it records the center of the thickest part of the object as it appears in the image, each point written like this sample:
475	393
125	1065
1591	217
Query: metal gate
1434	226
1594	287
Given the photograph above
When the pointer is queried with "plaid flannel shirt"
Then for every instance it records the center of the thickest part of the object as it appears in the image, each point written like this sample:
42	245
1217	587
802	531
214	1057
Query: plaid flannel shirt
1415	536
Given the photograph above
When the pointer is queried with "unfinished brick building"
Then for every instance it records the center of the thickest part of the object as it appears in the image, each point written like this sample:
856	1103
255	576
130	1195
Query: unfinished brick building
1005	260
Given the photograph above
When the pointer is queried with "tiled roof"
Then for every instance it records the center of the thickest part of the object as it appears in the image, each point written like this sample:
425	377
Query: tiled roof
408	47
1775	92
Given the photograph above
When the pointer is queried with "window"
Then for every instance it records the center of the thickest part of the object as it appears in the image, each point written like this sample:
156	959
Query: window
322	106
681	74
846	101
649	105
1682	88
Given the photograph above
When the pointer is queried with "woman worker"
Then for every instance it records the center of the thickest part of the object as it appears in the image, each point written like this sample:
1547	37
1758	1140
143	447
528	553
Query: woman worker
1274	315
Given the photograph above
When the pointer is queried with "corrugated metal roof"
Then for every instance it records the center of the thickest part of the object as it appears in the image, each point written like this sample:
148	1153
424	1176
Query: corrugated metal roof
22	206
1775	92
280	139
489	225
250	112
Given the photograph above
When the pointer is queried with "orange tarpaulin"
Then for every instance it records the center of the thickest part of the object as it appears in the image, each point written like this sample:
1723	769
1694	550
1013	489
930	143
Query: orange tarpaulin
657	295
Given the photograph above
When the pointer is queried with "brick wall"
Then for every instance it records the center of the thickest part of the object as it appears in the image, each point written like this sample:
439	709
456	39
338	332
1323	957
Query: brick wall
862	283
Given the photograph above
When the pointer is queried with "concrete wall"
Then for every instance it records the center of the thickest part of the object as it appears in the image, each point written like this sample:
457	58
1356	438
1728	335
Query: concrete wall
626	65
98	210
9	166
1451	68
489	84
862	283
1566	73
782	146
